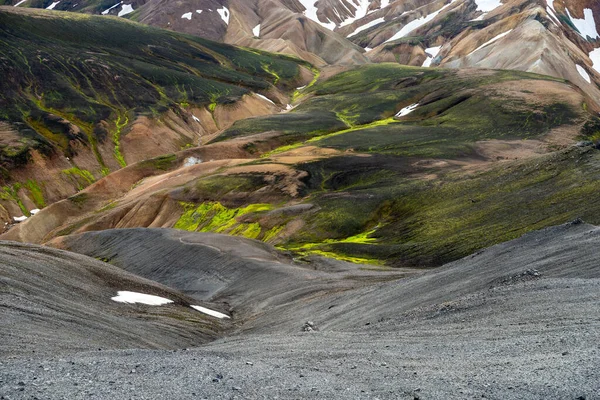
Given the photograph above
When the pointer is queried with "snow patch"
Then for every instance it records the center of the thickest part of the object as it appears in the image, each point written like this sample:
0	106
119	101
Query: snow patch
195	118
595	57
224	13
108	9
417	23
583	73
431	53
585	26
133	297
264	98
487	5
51	6
361	11
495	38
34	211
367	26
256	30
20	219
187	15
20	2
191	161
126	9
407	110
199	11
311	13
210	312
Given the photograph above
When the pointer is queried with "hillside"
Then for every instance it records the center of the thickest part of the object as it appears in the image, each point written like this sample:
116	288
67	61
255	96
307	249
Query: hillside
559	38
517	320
56	302
88	95
430	154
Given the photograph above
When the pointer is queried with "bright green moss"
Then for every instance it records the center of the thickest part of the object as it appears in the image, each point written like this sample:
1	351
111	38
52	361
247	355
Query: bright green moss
11	193
82	178
215	217
35	192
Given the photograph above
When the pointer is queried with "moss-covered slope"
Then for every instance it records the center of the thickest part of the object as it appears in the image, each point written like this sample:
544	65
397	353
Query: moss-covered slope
72	80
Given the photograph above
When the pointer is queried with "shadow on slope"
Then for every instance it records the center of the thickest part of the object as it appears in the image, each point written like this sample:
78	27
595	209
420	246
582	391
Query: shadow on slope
56	301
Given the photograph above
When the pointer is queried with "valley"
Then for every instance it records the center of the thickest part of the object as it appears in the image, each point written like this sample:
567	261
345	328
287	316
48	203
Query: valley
284	199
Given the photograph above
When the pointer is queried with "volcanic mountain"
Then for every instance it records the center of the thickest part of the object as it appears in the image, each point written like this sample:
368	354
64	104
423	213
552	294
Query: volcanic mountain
392	209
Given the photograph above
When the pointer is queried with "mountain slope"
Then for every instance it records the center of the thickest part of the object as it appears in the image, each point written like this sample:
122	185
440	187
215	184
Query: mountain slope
88	95
431	155
55	301
555	38
536	298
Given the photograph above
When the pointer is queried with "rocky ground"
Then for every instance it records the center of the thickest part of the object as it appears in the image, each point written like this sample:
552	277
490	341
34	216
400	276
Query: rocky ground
516	321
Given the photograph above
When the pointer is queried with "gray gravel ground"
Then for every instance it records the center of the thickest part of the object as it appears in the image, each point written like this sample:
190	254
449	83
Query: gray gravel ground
520	320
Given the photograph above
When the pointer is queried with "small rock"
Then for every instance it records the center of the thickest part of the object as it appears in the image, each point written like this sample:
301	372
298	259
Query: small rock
249	363
236	388
309	326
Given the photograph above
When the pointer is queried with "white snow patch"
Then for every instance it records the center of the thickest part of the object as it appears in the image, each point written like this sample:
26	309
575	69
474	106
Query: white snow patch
187	15
126	9
195	118
289	107
19	3
256	30
360	12
301	87
480	18
431	53
191	161
595	57
34	211
199	11
550	11
311	13
368	48
210	312
367	26
583	73
20	219
585	26
264	98
407	110
51	6
498	37
133	297
108	9
417	23
224	13
487	5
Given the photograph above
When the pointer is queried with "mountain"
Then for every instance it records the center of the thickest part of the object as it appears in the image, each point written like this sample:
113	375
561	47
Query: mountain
57	302
556	38
272	25
419	337
430	154
559	38
87	95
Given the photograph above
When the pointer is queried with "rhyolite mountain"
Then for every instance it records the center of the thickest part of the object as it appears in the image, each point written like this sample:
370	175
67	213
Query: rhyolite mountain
204	150
323	217
552	37
85	95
